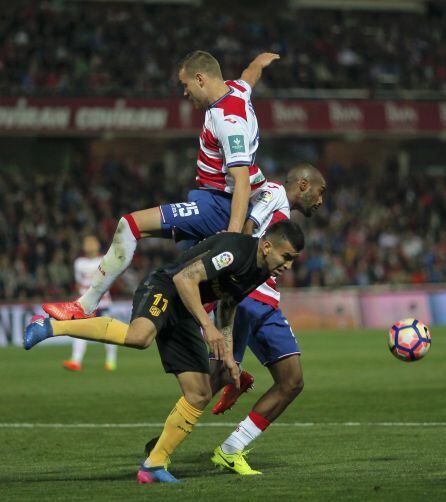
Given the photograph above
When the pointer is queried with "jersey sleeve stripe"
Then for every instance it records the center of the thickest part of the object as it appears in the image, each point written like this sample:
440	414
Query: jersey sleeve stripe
239	163
254	220
237	86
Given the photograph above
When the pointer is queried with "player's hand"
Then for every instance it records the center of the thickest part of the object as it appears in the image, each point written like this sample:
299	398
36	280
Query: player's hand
233	370
216	341
265	59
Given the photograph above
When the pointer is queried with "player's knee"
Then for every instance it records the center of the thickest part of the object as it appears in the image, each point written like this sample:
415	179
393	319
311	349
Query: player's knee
139	338
292	387
199	398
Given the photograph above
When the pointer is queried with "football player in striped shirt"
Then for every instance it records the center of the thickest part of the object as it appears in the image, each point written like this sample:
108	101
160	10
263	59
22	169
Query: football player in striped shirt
227	176
260	324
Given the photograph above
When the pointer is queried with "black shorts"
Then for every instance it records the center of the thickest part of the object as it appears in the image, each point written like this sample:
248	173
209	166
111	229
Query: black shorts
179	337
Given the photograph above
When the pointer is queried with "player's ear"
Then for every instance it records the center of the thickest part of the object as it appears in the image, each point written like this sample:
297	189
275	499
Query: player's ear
199	77
303	185
266	247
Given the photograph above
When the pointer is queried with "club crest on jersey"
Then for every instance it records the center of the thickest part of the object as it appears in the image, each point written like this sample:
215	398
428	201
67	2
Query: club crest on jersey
222	260
264	197
236	143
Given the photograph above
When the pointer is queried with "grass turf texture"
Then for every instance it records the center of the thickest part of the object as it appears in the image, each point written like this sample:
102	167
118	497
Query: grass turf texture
350	377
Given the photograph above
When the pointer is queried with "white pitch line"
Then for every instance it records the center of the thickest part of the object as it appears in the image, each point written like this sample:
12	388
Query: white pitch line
218	424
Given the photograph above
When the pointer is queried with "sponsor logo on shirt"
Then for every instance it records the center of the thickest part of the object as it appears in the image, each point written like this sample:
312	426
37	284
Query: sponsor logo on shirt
264	197
258	179
236	143
222	260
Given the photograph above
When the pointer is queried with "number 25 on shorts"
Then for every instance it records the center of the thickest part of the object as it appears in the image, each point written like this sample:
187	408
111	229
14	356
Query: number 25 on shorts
159	305
187	209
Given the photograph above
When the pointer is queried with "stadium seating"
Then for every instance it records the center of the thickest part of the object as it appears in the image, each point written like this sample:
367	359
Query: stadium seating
82	48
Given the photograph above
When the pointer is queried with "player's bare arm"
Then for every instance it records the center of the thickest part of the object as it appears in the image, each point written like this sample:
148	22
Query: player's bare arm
240	198
186	282
253	72
248	227
225	323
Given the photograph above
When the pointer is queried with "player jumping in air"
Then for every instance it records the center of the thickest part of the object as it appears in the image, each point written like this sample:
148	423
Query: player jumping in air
227	176
168	306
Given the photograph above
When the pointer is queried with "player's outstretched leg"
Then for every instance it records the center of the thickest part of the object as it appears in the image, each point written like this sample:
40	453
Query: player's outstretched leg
38	329
139	334
113	264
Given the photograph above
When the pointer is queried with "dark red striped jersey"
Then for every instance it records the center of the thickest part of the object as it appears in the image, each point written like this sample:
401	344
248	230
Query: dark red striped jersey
270	205
230	138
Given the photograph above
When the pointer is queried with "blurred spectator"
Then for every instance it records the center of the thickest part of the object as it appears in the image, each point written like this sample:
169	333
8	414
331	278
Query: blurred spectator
369	231
124	49
375	232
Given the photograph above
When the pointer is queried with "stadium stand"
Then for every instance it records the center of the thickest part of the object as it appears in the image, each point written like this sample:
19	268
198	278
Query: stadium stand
80	48
372	231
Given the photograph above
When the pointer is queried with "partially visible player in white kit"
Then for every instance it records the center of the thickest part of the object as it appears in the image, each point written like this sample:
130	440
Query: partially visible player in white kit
84	269
227	176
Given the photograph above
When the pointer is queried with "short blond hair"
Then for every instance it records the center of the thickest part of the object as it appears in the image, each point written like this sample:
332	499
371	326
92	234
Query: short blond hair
200	62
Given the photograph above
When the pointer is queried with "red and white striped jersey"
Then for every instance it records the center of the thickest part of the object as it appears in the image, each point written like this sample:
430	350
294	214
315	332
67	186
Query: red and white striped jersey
270	206
229	138
84	269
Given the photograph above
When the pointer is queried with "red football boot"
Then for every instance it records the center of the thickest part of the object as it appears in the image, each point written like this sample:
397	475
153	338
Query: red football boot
72	365
230	394
66	311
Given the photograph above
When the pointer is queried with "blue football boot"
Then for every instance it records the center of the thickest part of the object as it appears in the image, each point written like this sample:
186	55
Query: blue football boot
155	475
38	330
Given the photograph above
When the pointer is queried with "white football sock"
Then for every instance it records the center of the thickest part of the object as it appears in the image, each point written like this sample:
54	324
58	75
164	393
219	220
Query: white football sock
110	353
243	435
79	348
112	265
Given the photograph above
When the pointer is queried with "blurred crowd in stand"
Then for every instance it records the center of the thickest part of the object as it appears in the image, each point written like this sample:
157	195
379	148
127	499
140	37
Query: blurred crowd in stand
129	49
370	230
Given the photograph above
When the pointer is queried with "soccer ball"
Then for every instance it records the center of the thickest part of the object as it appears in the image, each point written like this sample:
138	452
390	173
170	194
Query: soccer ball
409	340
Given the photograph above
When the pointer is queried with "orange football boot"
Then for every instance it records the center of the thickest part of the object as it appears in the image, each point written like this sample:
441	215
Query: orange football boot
66	311
72	366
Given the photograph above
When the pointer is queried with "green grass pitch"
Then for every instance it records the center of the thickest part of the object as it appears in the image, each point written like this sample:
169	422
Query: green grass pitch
367	427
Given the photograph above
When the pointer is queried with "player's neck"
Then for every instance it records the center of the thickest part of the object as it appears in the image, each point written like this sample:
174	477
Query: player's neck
217	90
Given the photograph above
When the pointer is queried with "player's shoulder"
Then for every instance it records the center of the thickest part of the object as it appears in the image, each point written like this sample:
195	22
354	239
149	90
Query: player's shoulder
231	108
239	85
270	191
239	240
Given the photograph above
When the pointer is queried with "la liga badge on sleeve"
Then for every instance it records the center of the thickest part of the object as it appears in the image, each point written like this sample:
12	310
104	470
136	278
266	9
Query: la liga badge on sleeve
222	260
